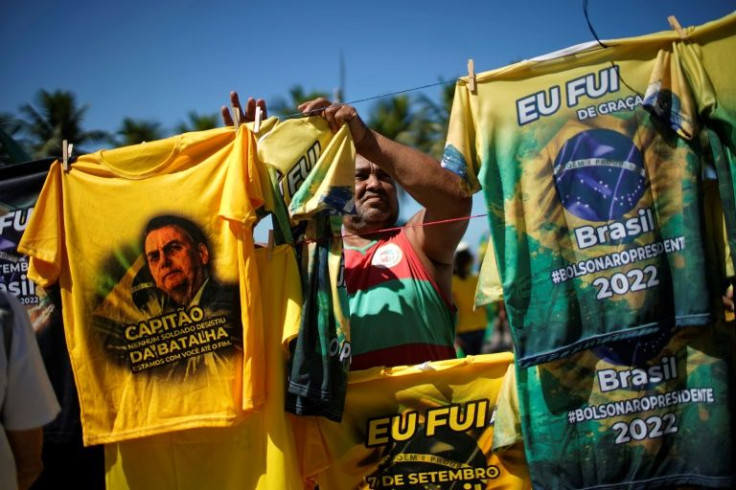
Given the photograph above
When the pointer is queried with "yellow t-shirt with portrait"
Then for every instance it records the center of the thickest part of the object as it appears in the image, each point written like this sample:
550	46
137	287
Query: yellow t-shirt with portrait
259	452
142	365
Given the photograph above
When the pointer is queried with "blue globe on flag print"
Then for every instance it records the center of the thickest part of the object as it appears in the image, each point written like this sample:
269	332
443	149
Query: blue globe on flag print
599	175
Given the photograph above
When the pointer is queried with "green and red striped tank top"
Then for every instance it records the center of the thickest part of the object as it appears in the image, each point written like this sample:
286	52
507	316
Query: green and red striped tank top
397	314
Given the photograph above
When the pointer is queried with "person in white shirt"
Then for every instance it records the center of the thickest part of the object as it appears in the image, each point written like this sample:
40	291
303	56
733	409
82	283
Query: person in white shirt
27	399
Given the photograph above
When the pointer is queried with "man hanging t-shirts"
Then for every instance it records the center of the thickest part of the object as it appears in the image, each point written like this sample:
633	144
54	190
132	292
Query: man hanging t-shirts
594	203
424	426
152	249
651	412
315	174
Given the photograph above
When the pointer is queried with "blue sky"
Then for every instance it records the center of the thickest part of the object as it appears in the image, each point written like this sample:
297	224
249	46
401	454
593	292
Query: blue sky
160	59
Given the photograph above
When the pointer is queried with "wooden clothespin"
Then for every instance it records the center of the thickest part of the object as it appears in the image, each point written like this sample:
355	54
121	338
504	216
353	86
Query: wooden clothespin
236	117
676	26
257	123
271	244
66	154
471	75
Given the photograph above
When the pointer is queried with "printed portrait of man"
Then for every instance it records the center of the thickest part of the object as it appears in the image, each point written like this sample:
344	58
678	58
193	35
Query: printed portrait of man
179	261
178	273
168	308
178	258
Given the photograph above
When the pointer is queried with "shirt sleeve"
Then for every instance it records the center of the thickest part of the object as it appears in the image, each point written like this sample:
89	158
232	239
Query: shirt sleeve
489	288
43	237
30	401
711	78
459	155
507	425
243	192
668	96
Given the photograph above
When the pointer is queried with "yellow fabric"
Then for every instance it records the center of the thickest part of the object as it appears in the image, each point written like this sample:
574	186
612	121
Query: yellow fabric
258	453
489	288
316	172
508	419
315	175
714	48
86	234
426	444
305	151
727	254
469	317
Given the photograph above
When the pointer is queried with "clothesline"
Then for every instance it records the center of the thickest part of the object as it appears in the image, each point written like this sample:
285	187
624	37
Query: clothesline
393	228
365	99
391	94
419	225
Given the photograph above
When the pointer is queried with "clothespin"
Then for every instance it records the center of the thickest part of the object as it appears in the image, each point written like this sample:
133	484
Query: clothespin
271	244
676	26
471	75
257	123
66	154
236	117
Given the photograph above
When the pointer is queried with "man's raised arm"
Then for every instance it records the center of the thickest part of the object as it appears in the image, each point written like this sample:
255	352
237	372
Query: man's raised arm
436	189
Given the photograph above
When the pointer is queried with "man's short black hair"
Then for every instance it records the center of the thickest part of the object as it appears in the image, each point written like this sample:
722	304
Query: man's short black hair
191	228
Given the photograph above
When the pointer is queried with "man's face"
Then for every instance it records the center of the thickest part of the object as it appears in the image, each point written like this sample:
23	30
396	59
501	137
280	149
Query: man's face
176	263
376	202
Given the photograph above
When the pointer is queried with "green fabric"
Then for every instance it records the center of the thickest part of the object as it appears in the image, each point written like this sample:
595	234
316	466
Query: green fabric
387	306
591	169
644	430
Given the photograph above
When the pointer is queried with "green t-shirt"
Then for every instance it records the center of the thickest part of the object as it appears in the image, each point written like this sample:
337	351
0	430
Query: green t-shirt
650	412
590	164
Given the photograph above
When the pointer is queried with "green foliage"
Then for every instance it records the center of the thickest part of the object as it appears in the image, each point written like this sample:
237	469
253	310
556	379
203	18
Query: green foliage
134	131
393	118
433	119
55	116
11	149
283	107
198	122
418	121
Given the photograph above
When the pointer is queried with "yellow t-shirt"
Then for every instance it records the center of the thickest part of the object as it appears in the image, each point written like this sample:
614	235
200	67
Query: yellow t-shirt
469	317
411	426
316	168
144	361
315	174
258	453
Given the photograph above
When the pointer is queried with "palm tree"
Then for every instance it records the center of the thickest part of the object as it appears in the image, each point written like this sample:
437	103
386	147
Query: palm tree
392	117
134	131
432	120
11	148
281	108
420	123
56	117
198	122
